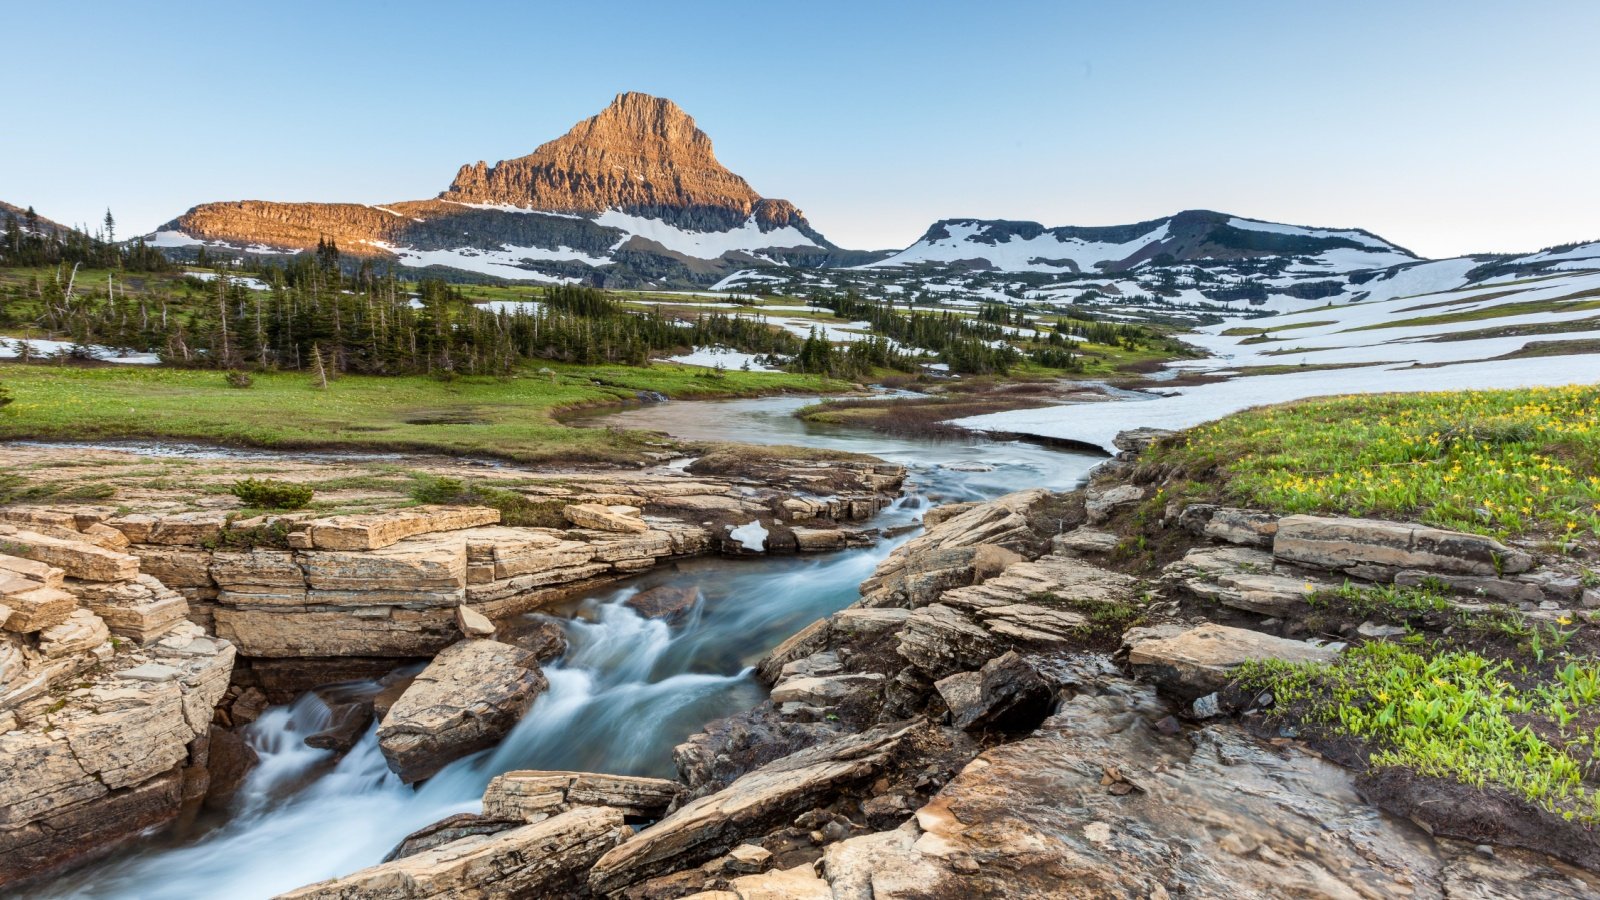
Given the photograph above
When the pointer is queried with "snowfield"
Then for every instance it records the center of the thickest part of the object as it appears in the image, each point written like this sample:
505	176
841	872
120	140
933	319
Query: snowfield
39	348
747	238
1098	423
1384	355
727	358
1015	254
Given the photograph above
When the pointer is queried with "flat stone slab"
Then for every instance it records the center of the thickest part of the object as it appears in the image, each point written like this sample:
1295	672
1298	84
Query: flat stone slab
1196	661
1338	543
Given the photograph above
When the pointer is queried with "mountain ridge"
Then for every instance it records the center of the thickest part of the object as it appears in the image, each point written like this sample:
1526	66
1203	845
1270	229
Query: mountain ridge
633	196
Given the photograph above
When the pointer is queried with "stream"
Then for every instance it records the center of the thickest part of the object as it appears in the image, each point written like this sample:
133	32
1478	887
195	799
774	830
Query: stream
623	695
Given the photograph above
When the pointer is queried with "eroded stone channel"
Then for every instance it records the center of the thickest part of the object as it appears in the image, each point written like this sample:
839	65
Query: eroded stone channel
627	689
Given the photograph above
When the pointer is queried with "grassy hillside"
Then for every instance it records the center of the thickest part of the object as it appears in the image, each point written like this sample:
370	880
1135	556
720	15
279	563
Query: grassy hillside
511	418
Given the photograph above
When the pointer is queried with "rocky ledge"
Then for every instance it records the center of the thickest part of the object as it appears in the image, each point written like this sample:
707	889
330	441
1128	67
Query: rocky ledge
1008	712
106	699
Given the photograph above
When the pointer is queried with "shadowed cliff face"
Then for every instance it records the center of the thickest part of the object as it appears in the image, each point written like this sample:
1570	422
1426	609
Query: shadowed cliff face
632	194
642	155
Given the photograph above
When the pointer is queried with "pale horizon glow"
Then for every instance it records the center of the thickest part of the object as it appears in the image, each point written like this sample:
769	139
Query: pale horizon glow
1445	128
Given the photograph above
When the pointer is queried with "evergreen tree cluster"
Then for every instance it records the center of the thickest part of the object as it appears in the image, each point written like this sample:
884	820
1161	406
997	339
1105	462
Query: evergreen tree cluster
968	345
311	315
28	242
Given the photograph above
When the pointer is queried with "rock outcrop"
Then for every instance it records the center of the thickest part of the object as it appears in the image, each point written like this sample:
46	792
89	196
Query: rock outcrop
600	204
104	719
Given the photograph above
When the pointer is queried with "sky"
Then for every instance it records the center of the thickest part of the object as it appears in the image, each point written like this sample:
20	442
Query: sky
1446	127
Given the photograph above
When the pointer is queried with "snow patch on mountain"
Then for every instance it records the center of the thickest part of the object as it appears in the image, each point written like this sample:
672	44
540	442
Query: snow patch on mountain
1043	253
747	238
1359	237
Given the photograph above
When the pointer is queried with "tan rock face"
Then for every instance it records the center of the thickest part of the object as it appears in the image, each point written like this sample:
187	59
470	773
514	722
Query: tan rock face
102	762
641	154
468	698
373	531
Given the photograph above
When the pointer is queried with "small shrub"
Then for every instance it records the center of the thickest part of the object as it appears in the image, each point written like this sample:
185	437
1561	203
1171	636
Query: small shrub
5	396
515	509
271	494
239	380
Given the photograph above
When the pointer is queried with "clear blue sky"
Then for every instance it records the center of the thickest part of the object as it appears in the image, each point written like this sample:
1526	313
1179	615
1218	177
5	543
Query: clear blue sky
1447	127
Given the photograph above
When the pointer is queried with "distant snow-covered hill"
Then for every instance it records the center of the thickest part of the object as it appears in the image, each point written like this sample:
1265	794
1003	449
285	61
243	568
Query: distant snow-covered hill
1194	235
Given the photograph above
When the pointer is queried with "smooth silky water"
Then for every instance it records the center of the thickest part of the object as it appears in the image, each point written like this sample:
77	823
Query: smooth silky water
627	690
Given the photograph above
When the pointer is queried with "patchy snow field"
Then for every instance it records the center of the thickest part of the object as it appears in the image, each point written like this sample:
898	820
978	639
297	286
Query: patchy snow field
40	348
1389	352
727	358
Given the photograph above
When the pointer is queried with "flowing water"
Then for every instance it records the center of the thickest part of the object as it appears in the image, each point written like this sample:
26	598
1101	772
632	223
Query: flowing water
623	695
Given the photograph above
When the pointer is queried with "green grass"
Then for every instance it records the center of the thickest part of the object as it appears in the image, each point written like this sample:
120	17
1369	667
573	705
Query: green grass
1453	715
508	418
1505	463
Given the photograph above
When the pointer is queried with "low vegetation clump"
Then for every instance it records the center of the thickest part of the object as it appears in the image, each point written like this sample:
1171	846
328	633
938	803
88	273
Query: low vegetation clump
1454	715
17	489
268	493
1504	463
515	509
1106	620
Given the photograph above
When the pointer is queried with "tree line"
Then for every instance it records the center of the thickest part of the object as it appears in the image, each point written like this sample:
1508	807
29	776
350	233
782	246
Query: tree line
27	241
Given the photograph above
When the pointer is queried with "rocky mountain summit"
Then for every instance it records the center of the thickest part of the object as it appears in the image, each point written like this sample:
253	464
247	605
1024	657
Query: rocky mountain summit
641	155
633	196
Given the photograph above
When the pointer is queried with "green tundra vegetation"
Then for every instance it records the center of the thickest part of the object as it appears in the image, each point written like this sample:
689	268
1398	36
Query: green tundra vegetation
511	417
1506	463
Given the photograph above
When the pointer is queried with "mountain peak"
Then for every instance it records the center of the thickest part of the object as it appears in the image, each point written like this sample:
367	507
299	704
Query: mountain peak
642	155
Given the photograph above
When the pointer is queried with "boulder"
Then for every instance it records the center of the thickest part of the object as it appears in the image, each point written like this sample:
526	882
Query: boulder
828	690
1249	527
544	859
530	796
619	519
1008	694
467	699
765	798
1101	503
543	637
1482	586
1138	440
1193	662
1085	540
472	623
447	830
1339	543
